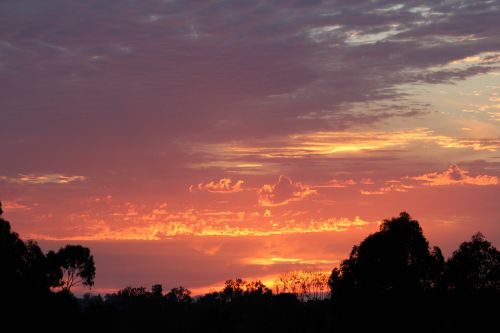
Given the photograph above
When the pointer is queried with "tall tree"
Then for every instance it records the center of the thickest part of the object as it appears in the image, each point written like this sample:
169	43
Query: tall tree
395	260
12	258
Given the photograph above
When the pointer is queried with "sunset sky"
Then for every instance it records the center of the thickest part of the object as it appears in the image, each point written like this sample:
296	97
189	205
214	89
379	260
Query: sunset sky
189	142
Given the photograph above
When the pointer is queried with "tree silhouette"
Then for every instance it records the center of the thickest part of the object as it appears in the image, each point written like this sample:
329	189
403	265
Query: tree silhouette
395	260
76	265
475	266
233	288
133	292
24	266
179	295
157	290
256	288
12	254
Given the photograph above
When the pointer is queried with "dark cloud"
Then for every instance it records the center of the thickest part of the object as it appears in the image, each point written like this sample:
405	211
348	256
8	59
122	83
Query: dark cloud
76	76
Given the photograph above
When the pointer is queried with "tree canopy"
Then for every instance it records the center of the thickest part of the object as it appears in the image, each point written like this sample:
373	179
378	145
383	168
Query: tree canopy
474	267
395	260
76	266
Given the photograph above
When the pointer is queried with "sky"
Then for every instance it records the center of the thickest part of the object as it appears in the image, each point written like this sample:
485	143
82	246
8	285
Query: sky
189	142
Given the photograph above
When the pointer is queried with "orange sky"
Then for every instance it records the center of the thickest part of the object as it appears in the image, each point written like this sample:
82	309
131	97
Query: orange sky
193	142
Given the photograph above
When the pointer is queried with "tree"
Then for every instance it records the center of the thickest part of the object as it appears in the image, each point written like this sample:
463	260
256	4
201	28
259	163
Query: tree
157	290
23	264
233	288
131	292
179	295
396	260
475	266
12	253
256	288
76	266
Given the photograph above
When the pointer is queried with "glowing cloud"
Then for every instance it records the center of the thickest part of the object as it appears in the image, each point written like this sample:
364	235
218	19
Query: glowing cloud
8	205
452	176
391	186
224	185
335	183
280	260
455	176
283	192
43	179
346	142
137	222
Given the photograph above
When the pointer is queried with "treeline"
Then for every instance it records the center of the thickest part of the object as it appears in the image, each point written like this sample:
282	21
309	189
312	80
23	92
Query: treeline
392	281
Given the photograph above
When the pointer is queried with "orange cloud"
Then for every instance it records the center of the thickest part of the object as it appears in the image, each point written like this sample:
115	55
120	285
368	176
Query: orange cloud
43	179
10	205
268	261
283	192
224	185
332	143
391	186
136	222
452	176
335	183
455	176
367	181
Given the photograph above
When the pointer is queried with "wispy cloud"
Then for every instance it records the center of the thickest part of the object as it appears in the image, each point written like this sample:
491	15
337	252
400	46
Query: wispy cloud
346	142
390	186
269	261
38	179
337	183
13	205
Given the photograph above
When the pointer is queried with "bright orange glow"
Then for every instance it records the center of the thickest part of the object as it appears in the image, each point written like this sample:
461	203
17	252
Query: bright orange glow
205	227
279	260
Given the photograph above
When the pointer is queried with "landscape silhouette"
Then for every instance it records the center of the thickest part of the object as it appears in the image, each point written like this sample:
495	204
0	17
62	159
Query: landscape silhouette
393	281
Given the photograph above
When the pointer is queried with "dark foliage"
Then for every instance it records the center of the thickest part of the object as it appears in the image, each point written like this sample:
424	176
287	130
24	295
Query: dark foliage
393	262
75	267
474	267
